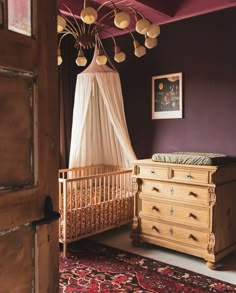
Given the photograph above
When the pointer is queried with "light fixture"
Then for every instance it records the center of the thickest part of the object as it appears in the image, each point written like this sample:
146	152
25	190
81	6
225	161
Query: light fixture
122	20
150	42
101	58
153	31
93	24
119	55
142	26
89	15
61	23
59	58
81	59
139	50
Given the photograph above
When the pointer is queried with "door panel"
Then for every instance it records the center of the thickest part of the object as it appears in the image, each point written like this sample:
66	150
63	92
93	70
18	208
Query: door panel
17	246
29	152
16	129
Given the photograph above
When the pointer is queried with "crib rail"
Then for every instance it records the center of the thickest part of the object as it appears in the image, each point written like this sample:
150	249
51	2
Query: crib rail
92	200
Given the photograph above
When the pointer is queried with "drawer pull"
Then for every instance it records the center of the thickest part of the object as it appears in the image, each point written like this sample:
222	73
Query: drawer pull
171	211
155	189
189	176
156	229
190	215
153	171
172	190
192	194
191	236
154	208
171	231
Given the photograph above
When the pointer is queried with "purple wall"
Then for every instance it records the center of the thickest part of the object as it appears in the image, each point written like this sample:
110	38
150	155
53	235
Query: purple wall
203	48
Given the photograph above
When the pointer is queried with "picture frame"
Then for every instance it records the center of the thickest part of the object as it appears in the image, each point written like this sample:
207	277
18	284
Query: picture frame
167	100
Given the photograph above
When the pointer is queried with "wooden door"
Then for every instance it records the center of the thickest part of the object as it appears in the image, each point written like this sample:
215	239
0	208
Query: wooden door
28	147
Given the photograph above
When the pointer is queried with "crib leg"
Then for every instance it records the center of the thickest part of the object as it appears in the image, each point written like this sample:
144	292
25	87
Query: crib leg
64	249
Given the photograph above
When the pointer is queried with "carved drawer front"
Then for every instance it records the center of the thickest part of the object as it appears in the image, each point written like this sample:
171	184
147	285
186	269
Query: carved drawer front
187	235
171	191
176	213
190	175
152	172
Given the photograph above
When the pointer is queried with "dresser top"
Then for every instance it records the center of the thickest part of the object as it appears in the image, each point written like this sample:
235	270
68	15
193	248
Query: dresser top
146	162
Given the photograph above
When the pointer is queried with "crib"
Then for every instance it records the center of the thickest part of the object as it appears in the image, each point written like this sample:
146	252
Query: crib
92	200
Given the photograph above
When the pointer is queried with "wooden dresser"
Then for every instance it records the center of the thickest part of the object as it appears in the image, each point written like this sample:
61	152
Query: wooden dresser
187	208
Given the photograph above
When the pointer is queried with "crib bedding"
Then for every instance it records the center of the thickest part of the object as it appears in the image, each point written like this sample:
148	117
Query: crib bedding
96	217
83	197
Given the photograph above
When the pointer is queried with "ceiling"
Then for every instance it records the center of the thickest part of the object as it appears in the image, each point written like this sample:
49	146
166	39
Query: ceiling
157	11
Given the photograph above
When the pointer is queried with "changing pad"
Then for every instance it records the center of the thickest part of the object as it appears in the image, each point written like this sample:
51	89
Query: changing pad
191	158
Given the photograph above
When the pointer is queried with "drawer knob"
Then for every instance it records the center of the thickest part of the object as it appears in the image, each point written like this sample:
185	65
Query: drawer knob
155	228
171	231
154	208
191	236
190	215
189	176
172	190
153	171
192	194
171	211
155	189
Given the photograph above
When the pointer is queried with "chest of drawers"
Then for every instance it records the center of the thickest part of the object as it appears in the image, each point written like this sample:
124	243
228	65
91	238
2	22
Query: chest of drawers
187	208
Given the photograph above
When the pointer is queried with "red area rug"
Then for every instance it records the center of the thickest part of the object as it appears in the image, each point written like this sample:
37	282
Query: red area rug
96	268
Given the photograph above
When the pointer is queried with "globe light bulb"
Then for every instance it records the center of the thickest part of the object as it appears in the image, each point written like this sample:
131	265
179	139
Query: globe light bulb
61	23
122	20
89	15
151	43
153	31
142	26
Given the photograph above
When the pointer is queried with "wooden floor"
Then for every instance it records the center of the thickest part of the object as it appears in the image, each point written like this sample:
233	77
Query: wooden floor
119	238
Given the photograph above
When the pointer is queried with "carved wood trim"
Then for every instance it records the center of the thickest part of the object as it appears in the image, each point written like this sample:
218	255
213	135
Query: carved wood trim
211	243
212	196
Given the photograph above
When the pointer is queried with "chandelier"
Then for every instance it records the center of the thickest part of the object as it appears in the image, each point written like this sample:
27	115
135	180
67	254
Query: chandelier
93	24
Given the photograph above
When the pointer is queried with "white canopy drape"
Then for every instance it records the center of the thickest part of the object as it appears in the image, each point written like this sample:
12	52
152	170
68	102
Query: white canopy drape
99	130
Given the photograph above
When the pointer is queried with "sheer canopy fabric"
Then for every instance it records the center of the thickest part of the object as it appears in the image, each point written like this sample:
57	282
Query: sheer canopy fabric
99	131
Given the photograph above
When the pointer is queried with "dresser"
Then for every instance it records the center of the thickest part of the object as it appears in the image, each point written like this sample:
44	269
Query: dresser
187	208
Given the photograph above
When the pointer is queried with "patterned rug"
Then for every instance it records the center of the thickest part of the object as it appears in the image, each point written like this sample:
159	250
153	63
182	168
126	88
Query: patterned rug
96	268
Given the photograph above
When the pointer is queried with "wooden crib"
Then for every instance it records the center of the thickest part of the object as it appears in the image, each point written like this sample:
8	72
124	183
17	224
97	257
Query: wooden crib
93	199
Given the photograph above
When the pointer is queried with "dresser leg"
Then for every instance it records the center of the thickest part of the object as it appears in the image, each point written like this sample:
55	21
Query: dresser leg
136	243
211	265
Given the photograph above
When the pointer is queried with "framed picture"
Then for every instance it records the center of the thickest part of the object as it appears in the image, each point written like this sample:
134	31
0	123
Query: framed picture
167	98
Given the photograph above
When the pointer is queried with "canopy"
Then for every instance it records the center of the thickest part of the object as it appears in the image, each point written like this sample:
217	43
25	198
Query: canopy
99	131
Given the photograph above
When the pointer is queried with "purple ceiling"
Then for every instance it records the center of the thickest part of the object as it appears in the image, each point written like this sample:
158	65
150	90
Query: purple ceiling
157	11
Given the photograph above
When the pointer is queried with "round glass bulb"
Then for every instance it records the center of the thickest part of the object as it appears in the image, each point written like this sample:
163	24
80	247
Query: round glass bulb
151	43
61	23
140	51
59	60
89	15
122	20
142	26
81	61
119	57
153	31
101	59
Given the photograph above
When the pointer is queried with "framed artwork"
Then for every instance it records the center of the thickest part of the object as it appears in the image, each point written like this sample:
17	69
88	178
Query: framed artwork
167	100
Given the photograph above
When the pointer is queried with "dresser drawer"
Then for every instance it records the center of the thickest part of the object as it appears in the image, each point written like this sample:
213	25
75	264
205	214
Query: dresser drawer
152	172
187	215
173	191
184	235
190	175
